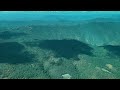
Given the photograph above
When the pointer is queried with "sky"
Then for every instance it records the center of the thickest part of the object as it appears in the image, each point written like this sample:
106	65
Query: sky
53	15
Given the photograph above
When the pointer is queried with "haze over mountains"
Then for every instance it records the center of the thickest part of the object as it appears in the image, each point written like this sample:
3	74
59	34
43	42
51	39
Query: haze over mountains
95	28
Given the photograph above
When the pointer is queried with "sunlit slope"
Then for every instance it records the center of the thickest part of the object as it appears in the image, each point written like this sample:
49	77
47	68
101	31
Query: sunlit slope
99	32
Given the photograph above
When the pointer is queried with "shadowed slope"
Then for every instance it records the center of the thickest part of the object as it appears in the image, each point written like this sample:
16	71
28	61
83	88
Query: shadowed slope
9	35
66	48
113	50
12	52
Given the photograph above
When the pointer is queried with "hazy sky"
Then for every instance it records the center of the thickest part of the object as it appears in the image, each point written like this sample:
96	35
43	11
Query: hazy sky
36	15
